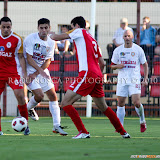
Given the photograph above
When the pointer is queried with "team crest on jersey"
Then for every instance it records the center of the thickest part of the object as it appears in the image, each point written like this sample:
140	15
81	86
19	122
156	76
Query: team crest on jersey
8	45
132	54
47	49
1	48
37	46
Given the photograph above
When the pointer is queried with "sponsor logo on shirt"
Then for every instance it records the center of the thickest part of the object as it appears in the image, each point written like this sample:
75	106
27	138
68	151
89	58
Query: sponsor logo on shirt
128	62
1	48
122	54
4	54
37	46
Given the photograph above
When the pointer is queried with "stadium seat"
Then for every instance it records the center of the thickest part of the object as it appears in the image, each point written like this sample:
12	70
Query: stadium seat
143	91
156	66
155	86
142	70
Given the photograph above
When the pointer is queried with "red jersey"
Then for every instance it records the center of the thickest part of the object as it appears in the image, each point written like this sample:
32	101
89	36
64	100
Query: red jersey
87	51
9	48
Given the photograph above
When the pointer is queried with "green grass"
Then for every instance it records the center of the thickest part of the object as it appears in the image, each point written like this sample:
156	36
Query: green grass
104	143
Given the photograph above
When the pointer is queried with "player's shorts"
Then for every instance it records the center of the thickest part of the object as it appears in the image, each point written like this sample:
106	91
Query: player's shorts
41	82
88	83
128	90
14	82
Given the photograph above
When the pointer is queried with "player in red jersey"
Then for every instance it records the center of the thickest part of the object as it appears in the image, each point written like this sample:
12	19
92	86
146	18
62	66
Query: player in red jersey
89	81
12	64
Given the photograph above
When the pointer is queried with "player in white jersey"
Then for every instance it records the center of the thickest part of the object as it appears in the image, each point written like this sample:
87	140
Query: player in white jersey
38	50
127	58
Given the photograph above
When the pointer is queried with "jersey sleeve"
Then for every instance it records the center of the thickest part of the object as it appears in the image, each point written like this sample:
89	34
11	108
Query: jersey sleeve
28	45
20	44
115	57
142	56
51	51
74	34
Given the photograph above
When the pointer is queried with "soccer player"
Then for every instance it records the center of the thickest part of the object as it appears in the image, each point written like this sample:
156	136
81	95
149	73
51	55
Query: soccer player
38	50
89	81
11	57
127	58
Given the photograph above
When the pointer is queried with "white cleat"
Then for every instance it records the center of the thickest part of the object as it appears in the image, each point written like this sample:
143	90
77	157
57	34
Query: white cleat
1	133
81	135
33	115
59	130
126	135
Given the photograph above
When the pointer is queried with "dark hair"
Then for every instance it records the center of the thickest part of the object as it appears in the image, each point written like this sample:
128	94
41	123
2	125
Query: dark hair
80	21
43	21
5	19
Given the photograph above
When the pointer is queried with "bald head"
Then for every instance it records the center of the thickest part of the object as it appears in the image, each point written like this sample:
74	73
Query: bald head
128	32
128	37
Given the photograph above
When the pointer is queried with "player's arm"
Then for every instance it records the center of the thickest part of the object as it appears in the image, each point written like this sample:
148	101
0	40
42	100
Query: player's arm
23	64
145	66
101	63
58	37
116	66
44	66
34	65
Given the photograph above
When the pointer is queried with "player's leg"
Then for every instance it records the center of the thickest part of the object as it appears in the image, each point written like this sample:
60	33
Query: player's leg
121	109
69	98
140	111
2	86
34	100
101	104
55	111
25	92
121	92
19	93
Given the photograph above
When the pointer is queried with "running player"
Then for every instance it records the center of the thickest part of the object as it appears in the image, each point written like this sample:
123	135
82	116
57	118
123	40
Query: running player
11	57
89	81
127	58
38	50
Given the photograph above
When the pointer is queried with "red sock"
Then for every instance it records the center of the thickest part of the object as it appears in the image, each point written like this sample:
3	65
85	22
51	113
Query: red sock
23	111
72	112
0	121
114	120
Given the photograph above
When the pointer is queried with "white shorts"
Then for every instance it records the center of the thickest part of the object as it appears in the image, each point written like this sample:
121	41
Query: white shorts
128	90
41	82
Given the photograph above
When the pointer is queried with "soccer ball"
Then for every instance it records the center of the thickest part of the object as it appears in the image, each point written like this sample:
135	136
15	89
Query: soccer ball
19	124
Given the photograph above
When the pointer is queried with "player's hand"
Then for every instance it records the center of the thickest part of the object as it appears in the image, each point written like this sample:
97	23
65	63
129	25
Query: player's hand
120	66
43	74
51	34
148	45
144	27
144	83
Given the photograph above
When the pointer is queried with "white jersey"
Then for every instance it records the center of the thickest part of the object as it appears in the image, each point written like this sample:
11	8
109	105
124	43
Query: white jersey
39	49
131	58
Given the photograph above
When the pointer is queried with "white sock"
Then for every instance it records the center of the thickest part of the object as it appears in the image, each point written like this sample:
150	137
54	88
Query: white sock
32	103
121	114
55	111
140	112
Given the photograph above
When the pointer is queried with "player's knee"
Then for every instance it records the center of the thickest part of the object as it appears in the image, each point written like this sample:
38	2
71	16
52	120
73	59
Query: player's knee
39	97
136	104
20	98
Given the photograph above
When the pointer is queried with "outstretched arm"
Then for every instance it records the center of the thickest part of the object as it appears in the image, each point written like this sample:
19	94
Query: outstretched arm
58	37
117	66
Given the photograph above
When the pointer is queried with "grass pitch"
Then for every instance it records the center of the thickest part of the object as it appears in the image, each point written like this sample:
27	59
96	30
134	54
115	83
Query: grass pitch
104	143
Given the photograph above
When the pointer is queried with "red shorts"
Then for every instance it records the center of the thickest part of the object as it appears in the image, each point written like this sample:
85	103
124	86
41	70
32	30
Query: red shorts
13	82
88	83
